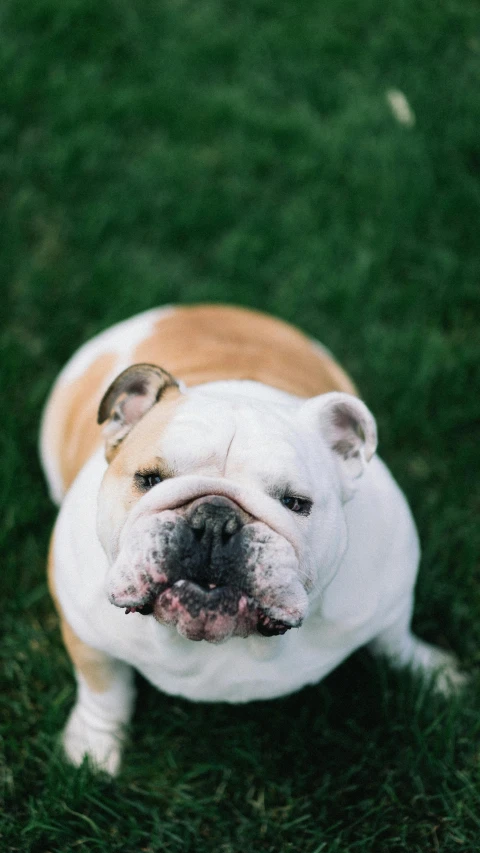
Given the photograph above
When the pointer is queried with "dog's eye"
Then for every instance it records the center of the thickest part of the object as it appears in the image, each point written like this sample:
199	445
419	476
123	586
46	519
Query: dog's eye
300	505
147	480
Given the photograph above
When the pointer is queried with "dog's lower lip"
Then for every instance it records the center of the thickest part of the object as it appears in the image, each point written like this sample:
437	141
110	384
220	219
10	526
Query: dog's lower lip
149	606
266	625
145	609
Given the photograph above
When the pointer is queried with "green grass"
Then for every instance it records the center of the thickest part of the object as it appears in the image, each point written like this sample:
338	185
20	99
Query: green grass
245	152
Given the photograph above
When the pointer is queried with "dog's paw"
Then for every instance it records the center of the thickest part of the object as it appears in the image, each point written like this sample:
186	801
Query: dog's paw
440	667
85	737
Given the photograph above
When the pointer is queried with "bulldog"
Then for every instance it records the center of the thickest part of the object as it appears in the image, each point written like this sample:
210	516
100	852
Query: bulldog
225	528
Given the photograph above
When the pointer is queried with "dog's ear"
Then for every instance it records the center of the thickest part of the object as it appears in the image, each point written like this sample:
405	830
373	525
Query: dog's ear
349	430
128	398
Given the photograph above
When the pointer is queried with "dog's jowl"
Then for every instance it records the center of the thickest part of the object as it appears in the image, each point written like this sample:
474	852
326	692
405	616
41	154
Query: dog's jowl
226	527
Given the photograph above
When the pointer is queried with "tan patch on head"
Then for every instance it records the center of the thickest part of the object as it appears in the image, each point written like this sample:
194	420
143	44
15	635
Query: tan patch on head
130	396
139	451
95	666
207	343
138	448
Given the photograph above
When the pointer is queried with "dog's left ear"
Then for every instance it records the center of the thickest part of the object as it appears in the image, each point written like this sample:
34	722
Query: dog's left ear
348	428
130	396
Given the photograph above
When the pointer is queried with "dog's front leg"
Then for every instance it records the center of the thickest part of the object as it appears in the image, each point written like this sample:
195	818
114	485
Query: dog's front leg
105	697
403	648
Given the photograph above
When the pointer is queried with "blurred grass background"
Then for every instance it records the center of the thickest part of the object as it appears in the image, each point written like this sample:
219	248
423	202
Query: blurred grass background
182	151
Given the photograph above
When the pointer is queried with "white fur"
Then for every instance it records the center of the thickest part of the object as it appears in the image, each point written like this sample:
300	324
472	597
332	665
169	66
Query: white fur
357	563
362	600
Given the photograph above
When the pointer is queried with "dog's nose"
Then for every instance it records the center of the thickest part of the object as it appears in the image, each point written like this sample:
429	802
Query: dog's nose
210	549
215	520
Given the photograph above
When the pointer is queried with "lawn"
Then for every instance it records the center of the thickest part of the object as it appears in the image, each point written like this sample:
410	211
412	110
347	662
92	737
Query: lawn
181	151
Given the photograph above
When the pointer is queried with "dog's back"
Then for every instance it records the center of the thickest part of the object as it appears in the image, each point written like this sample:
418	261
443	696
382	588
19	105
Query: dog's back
197	344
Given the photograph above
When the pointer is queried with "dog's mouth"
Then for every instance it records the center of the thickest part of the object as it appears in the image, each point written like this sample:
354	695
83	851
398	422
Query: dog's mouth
213	613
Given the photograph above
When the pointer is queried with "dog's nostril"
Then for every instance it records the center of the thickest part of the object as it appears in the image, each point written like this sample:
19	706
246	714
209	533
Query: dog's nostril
214	523
207	587
197	524
230	527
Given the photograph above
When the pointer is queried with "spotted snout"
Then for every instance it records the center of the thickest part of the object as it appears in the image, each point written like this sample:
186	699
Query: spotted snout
211	570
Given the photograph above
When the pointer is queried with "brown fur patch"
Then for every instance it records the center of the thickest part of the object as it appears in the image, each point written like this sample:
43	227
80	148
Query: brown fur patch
130	396
197	344
148	433
207	343
73	432
95	666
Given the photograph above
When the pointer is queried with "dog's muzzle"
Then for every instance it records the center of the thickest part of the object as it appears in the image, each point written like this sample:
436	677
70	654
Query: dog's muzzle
194	569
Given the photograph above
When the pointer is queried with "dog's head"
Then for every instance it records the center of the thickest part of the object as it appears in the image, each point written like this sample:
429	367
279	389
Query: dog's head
222	514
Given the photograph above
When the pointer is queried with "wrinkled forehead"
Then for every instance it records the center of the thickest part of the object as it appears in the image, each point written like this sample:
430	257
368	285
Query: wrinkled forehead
197	433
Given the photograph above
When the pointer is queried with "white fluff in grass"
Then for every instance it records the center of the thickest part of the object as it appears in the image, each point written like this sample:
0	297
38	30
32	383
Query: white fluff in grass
400	107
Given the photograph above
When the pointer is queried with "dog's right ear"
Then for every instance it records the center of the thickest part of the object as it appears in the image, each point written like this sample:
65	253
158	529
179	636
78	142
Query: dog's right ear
130	396
349	430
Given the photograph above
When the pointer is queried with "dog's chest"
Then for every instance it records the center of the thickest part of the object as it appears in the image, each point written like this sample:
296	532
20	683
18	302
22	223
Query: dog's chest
240	670
356	604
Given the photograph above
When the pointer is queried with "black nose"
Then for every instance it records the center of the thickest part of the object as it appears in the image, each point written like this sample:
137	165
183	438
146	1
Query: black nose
210	548
215	521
